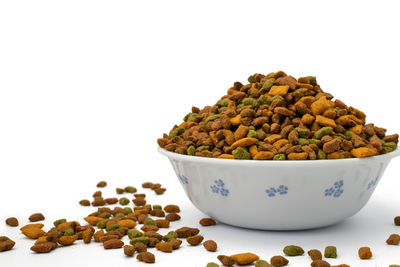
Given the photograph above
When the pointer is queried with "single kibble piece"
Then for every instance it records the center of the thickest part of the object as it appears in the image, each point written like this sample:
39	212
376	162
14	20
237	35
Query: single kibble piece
245	258
207	222
320	263
123	201
33	231
394	239
59	221
102	184
146	257
130	189
111	200
147	185
140	247
120	190
12	221
113	243
6	243
185	232
84	202
365	253
160	191
172	217
212	264
97	194
175	243
210	245
129	250
67	240
330	252
172	209
315	254
279	261
397	220
262	263
195	240
226	260
171	235
164	247
36	217
293	250
43	246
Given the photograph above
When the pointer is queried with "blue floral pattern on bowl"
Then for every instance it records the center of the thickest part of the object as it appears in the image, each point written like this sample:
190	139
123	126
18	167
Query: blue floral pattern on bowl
372	183
219	188
273	191
183	179
336	190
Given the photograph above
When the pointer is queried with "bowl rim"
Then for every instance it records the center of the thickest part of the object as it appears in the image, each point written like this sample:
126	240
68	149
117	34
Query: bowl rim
196	159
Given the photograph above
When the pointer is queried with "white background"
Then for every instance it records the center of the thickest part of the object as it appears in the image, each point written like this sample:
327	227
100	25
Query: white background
86	87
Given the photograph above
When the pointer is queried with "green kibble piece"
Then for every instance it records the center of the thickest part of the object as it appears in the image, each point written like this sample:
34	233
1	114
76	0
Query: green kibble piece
157	207
150	221
262	100
252	133
212	264
394	265
202	148
262	263
321	154
252	78
113	227
190	117
251	127
223	102
175	132
69	232
303	133
240	105
58	222
260	143
293	251
143	239
119	215
279	157
134	233
248	101
212	118
316	142
123	201
338	138
128	210
130	189
322	132
220	110
303	141
271	99
389	146
267	85
330	252
349	135
241	153
102	224
312	79
171	235
191	150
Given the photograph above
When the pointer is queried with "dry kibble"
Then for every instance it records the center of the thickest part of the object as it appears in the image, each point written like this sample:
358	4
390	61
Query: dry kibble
293	250
397	220
98	201
43	246
175	243
87	235
394	239
84	202
210	245
98	235
12	221
162	223
207	222
102	184
365	253
172	217
111	201
120	191
113	244
140	247
146	257
172	209
262	263
315	254
226	260
279	261
330	252
160	191
320	263
67	240
147	185
33	231
195	240
212	264
164	247
245	258
185	232
97	194
36	217
129	250
6	243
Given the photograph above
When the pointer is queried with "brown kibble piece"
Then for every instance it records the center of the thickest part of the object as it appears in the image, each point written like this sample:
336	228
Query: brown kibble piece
140	247
129	250
6	243
36	217
279	261
87	235
12	221
97	235
245	258
175	243
394	239
111	201
195	240
33	231
113	244
98	201
67	240
147	228
315	254
102	184
105	238
164	247
397	220
160	191
226	260
147	185
210	245
139	201
120	190
146	257
207	222
364	253
172	209
320	263
162	223
185	232
43	247
84	202
97	194
172	217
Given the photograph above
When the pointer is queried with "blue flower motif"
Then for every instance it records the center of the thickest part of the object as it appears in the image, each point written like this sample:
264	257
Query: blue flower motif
183	179
372	183
219	188
271	192
283	190
336	190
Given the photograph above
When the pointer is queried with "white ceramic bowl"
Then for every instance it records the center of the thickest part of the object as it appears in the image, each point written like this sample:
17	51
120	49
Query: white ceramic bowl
279	195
